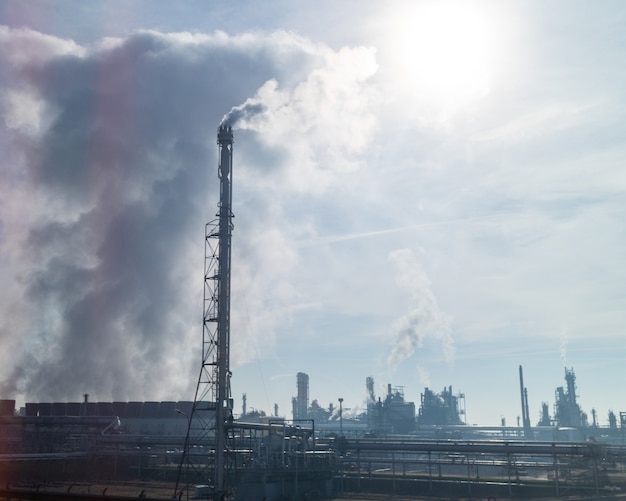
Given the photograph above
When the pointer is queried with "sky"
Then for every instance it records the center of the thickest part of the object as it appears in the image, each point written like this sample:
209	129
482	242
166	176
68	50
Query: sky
430	193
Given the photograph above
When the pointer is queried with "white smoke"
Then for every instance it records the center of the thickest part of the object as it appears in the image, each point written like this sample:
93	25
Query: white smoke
425	319
563	345
423	375
239	116
106	185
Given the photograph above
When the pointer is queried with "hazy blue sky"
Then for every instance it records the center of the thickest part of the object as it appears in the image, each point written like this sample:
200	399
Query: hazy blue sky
433	195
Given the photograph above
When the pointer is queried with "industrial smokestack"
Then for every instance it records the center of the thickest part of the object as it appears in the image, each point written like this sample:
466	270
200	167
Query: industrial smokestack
524	397
224	408
214	379
521	389
369	386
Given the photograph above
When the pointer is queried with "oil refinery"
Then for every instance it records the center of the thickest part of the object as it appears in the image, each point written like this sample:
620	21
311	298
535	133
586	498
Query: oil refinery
390	447
203	449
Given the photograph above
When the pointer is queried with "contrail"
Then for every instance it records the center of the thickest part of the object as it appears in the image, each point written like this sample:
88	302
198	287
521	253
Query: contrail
375	233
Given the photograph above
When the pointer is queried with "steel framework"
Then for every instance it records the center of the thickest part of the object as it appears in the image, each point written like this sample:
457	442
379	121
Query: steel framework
205	461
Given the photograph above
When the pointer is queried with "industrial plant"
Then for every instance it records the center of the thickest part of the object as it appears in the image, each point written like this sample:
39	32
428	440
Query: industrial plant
391	446
203	449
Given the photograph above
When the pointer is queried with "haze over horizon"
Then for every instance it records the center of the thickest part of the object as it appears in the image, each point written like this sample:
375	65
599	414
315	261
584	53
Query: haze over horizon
430	193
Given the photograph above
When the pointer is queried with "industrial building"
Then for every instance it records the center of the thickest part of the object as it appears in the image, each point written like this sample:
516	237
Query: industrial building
441	409
148	442
391	415
386	415
442	415
566	409
319	453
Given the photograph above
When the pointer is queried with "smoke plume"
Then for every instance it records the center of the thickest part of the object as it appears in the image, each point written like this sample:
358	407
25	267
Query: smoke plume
563	345
239	115
425	319
108	176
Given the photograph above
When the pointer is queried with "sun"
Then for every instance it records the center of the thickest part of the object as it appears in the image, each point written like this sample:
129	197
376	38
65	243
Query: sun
439	50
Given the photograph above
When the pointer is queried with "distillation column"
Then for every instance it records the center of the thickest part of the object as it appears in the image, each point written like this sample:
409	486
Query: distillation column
524	398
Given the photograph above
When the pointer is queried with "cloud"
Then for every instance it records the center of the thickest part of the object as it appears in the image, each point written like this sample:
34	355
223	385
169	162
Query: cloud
108	180
541	120
323	123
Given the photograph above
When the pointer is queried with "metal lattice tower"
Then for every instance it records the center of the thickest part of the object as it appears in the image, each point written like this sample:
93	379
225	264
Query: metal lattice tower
205	459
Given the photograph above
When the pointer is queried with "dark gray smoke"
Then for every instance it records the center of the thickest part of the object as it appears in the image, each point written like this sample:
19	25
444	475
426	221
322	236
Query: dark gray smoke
114	176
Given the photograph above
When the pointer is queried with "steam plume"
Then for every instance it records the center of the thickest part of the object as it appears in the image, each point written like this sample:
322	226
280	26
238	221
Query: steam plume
425	319
105	188
103	211
563	345
243	113
423	376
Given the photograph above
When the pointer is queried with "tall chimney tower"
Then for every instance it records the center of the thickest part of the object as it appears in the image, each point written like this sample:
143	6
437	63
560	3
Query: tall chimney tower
524	397
212	411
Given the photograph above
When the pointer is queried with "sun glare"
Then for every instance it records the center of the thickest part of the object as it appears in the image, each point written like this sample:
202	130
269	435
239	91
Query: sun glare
440	50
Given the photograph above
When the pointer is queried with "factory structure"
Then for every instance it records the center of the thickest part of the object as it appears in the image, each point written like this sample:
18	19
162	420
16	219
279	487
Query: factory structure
207	451
443	414
441	409
386	415
320	450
